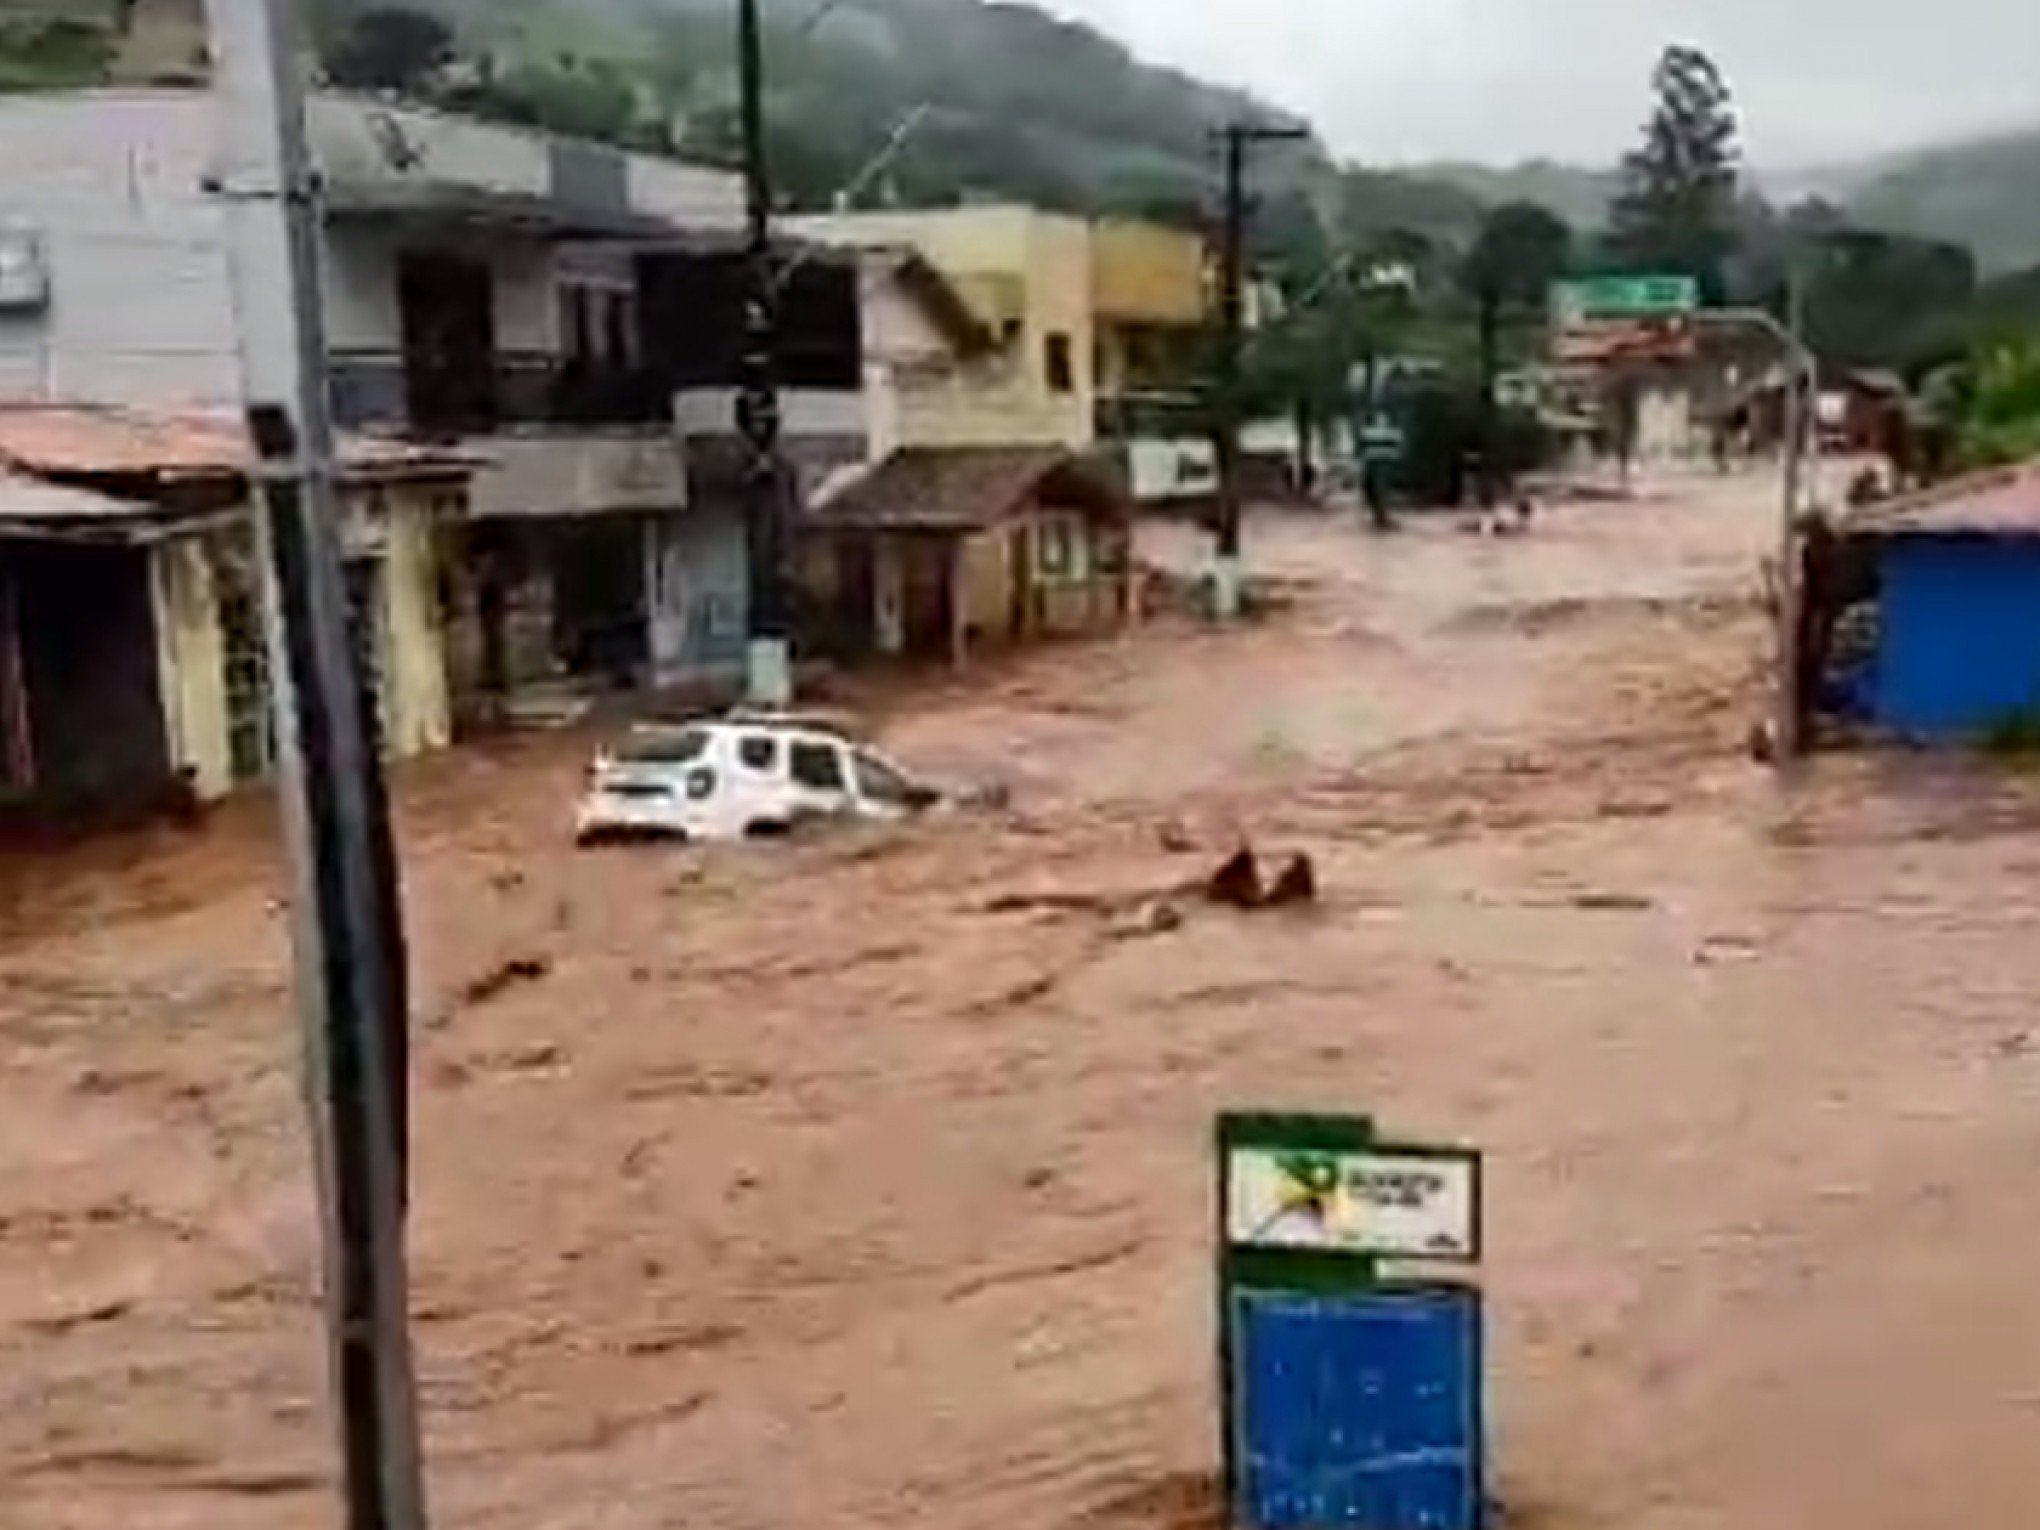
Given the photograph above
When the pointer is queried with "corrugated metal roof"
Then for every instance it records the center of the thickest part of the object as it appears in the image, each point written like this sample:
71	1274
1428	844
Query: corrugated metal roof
30	507
1999	502
30	499
965	488
104	440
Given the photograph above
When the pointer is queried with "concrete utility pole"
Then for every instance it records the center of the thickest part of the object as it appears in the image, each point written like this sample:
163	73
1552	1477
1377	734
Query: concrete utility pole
347	923
769	657
1226	574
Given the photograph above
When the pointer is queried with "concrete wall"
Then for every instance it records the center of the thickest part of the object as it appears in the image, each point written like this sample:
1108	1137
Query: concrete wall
545	473
697	595
364	144
1664	424
140	309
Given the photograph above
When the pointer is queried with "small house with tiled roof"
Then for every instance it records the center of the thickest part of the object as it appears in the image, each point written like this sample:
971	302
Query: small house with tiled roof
937	550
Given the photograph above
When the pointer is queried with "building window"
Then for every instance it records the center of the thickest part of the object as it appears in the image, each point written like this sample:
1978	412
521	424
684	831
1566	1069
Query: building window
598	325
1061	365
1059	549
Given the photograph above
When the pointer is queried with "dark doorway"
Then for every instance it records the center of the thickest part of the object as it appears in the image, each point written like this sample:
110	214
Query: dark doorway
599	617
927	594
449	318
854	621
87	649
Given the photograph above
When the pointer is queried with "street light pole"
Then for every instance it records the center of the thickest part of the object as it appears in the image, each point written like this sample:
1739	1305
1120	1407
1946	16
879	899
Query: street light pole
768	655
347	924
1226	574
1800	394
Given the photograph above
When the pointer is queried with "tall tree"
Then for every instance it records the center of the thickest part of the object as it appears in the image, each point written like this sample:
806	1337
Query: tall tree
1520	251
1676	210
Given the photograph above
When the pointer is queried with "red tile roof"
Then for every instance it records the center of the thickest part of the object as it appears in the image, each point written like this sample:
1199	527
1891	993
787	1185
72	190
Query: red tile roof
90	440
1997	502
967	489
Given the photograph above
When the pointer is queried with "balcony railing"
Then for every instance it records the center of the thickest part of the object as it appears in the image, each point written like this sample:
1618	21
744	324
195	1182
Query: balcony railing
379	389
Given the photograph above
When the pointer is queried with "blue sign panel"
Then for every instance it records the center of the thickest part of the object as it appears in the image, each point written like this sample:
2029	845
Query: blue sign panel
1359	1409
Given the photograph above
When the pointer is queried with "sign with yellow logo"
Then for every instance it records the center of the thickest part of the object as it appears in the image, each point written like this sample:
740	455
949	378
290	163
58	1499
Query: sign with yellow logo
1380	1202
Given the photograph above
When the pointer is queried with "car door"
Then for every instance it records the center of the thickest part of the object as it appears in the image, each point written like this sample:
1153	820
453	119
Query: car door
818	776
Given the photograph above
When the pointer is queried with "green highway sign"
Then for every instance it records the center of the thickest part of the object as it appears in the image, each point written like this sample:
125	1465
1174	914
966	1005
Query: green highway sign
1627	297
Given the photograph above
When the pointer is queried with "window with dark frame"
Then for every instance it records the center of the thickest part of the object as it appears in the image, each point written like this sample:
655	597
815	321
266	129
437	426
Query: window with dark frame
1061	364
879	782
758	752
816	767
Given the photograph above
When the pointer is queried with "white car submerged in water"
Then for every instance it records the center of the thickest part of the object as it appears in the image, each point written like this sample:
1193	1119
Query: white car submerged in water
740	777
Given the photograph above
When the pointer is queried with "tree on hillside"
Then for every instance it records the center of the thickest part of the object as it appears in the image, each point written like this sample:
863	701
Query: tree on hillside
1676	210
390	48
1520	251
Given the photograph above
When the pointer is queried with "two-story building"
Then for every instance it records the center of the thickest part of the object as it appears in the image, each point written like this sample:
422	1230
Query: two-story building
563	313
1019	282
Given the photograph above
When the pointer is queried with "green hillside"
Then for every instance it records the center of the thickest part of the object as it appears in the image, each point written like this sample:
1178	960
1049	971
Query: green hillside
1984	193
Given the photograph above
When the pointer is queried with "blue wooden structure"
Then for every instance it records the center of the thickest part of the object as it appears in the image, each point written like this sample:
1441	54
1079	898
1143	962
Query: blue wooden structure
1959	632
1350	1401
1958	589
1361	1409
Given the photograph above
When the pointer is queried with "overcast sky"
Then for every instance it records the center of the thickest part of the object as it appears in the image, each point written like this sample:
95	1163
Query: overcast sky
1502	80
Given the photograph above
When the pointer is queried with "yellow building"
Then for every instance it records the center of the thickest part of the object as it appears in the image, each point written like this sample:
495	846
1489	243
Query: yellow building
940	549
133	665
1024	279
1150	289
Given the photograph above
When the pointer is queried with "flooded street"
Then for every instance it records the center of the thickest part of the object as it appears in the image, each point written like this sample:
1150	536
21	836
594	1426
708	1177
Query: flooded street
864	1181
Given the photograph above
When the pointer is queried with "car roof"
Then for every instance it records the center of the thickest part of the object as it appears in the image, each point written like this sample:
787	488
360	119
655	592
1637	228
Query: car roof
784	724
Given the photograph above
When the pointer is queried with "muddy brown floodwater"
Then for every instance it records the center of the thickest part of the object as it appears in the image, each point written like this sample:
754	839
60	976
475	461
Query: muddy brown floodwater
834	1185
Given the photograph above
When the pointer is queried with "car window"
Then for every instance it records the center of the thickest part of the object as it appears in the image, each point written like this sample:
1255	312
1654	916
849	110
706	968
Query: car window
879	782
681	748
759	752
818	767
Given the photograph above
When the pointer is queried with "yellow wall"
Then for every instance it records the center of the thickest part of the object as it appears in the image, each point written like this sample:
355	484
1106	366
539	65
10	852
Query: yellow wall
191	664
191	645
1010	264
1144	273
988	584
417	712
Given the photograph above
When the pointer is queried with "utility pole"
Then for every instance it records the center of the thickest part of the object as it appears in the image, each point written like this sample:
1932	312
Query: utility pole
1802	373
1800	404
347	923
1226	576
768	656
